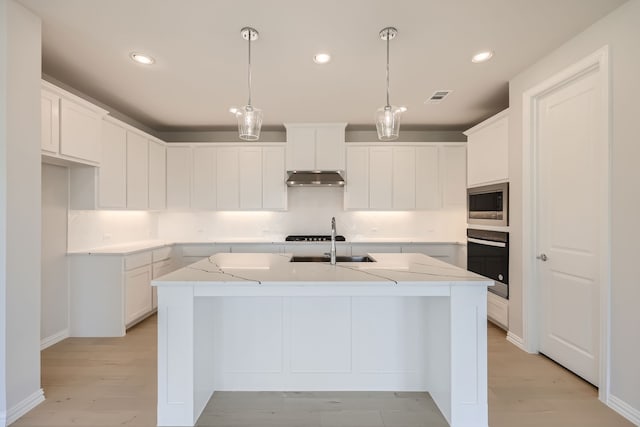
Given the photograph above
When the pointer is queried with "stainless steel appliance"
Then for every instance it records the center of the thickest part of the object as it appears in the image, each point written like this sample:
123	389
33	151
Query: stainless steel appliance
488	255
488	205
313	238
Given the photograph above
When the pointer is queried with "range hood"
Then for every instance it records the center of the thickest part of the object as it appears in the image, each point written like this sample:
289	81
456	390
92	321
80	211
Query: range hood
315	179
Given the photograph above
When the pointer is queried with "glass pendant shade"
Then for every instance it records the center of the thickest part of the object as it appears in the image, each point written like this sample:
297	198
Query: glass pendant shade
388	117
388	122
249	123
249	118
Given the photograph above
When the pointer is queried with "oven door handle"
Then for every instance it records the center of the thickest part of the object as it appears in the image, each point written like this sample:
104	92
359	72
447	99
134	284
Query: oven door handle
487	242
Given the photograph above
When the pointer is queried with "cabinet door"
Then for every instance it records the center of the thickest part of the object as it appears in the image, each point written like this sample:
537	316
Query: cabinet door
380	178
250	177
137	171
178	177
488	153
228	182
454	176
159	269
404	178
301	147
204	178
329	148
138	293
79	131
157	176
274	187
50	122
112	172
356	191
428	196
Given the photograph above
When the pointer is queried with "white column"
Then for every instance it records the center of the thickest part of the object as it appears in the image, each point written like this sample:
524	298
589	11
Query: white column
20	218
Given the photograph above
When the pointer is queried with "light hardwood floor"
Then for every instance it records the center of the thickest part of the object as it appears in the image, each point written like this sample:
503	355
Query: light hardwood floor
112	382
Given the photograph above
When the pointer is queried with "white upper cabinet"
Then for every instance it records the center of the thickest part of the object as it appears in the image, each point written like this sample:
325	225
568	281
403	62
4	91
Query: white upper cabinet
428	188
453	168
137	171
203	188
356	190
404	178
228	173
178	177
380	178
71	126
50	121
274	188
488	151
112	174
315	146
413	176
79	131
157	176
250	177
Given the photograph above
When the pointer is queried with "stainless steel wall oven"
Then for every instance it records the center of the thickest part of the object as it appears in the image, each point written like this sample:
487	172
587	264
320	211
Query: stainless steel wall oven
488	255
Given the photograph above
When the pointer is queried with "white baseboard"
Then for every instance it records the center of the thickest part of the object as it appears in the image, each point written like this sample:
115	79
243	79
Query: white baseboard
22	408
624	409
53	339
516	340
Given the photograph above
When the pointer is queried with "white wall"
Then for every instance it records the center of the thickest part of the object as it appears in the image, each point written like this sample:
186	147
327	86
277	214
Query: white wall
619	30
310	211
20	41
54	320
90	229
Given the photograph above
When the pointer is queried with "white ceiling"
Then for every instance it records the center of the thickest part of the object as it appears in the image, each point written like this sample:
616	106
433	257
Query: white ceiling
201	59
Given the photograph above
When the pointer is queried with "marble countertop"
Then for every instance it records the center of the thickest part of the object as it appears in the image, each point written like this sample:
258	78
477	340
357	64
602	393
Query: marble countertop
234	270
145	245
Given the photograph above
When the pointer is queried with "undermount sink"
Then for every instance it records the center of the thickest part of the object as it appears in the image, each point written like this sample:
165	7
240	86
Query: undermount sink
320	258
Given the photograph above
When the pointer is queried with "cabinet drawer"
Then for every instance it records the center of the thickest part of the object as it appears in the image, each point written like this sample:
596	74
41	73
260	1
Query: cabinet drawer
498	310
161	254
137	260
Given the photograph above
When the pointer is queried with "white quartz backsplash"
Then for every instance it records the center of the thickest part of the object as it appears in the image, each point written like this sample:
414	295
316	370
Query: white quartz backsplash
310	211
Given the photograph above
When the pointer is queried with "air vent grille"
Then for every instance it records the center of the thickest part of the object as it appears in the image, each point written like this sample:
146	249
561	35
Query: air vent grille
438	96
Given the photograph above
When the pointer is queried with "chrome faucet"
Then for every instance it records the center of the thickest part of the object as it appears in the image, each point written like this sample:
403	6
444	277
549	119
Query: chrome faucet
333	240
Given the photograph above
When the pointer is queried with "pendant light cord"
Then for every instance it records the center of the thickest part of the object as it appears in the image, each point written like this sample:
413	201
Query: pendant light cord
388	104
249	73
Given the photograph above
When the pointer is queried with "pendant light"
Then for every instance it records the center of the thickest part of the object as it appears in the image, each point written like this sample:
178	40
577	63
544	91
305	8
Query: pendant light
388	117
249	118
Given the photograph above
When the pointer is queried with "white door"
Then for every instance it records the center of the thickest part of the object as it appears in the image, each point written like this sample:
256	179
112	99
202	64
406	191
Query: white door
569	203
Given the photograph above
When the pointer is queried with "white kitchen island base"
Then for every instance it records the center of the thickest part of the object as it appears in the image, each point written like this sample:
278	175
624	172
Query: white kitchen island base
402	328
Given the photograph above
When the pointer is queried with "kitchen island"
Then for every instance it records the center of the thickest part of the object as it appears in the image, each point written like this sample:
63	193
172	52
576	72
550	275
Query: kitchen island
406	322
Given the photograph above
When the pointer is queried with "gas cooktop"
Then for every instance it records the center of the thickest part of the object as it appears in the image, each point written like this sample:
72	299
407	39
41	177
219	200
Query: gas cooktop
313	238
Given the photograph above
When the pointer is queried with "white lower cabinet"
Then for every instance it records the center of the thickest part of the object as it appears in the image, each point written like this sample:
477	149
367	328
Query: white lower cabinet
498	310
111	292
159	269
138	294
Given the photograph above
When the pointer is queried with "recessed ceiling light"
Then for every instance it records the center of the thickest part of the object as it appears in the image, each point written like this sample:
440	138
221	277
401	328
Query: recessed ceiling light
141	58
482	56
321	58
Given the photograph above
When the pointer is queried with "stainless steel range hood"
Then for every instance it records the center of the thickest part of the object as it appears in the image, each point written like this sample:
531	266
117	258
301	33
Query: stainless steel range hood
315	179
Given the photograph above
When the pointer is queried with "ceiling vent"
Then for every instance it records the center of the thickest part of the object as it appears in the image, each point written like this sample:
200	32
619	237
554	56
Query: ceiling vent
438	96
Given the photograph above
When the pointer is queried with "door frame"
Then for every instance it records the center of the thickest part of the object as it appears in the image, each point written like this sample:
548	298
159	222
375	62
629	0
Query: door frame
531	300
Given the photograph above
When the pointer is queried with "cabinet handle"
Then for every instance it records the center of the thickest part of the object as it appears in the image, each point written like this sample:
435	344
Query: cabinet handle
542	257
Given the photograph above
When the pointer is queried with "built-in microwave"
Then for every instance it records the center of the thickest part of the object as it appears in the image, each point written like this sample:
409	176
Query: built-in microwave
488	205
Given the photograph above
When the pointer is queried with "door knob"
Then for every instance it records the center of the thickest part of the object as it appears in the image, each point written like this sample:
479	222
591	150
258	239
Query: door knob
542	257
